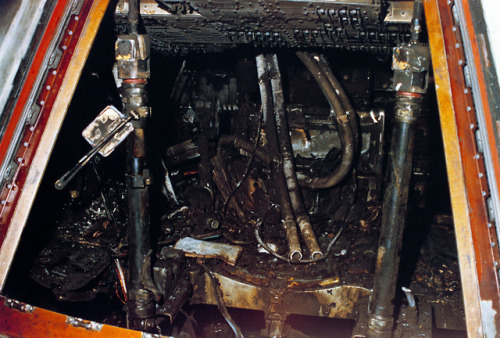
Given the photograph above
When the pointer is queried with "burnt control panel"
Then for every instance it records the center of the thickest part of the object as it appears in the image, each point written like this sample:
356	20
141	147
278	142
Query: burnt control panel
215	25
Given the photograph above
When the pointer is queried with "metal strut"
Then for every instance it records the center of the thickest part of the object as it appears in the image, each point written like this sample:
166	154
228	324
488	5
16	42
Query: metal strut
410	63
381	307
132	62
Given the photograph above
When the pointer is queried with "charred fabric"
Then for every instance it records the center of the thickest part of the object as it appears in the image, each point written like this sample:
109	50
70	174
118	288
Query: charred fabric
280	183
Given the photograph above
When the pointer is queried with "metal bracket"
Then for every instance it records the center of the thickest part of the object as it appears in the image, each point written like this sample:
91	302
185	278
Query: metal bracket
275	317
84	324
19	306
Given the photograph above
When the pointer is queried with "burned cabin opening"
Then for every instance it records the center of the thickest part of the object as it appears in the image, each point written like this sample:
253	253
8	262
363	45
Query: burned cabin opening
230	169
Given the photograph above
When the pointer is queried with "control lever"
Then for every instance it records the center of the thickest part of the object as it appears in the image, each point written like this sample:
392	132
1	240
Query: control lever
68	176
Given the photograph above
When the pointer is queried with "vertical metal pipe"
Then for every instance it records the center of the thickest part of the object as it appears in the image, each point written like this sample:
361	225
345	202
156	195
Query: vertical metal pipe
416	23
141	301
133	15
138	208
285	145
410	64
295	253
134	97
132	63
381	308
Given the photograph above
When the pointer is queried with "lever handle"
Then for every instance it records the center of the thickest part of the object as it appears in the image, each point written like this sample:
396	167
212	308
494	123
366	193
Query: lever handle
68	176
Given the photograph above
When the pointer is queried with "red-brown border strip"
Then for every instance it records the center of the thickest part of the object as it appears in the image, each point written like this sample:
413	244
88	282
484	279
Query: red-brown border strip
56	92
475	234
48	92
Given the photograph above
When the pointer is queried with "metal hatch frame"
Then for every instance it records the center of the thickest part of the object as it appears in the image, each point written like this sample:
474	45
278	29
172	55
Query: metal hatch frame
46	93
470	143
455	43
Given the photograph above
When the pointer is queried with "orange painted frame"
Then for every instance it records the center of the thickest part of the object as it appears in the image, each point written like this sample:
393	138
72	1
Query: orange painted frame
71	29
44	323
476	235
18	319
474	238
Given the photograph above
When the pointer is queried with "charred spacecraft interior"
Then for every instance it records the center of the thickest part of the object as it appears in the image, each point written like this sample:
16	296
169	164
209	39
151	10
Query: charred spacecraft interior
248	168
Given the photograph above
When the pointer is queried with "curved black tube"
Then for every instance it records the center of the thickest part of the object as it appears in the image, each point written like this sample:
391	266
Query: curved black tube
344	99
345	131
247	146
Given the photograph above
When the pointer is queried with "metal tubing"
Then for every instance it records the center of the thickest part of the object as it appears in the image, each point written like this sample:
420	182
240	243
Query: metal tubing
381	307
138	222
133	16
142	297
339	114
285	144
416	24
287	216
132	60
344	99
408	106
246	146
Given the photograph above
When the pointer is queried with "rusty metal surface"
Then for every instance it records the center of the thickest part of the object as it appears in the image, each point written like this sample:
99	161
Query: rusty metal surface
337	301
17	321
475	234
333	302
80	25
